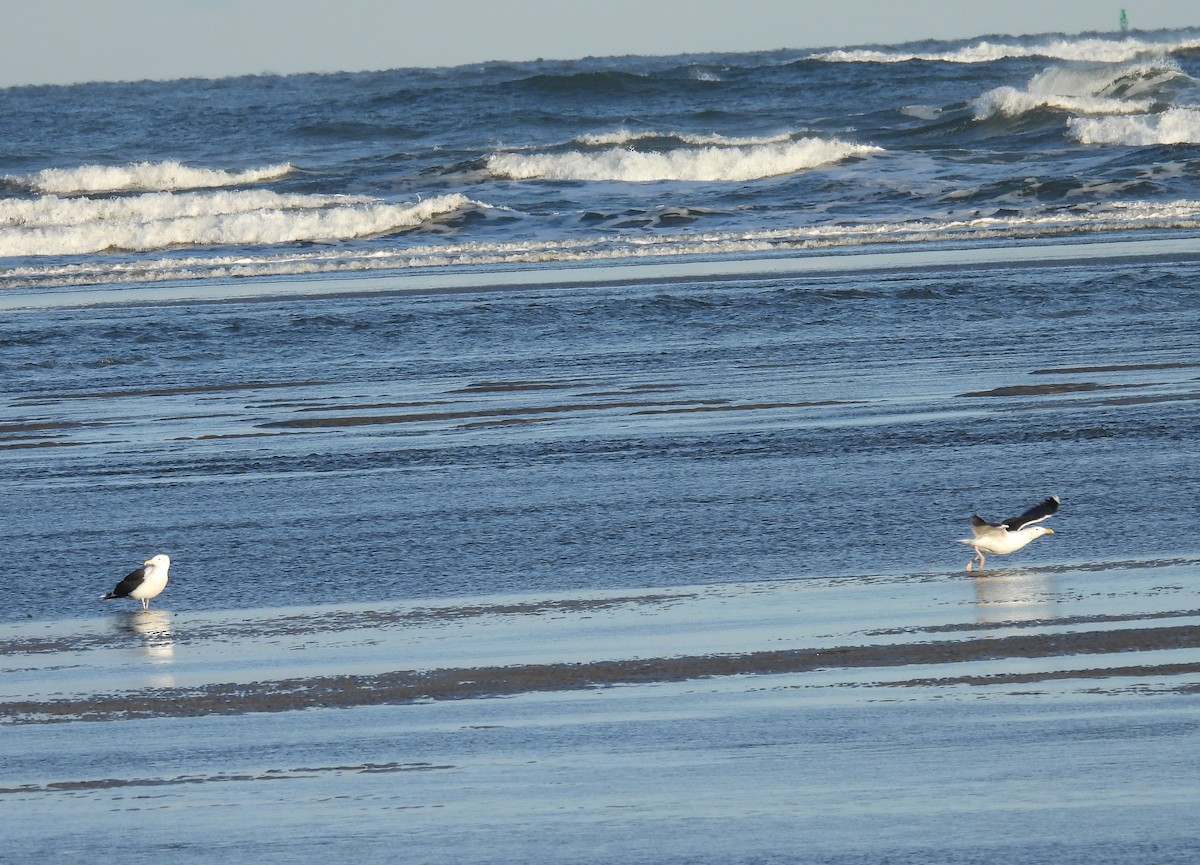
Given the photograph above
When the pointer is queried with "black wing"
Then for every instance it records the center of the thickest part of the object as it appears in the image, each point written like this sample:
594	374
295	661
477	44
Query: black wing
1035	514
127	585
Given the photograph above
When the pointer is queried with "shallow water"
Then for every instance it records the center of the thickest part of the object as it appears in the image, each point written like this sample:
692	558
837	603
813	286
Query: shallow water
612	517
705	772
938	718
656	571
393	446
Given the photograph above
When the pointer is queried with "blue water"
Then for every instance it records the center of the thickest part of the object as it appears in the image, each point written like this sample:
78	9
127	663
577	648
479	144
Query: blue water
176	379
674	365
599	159
391	446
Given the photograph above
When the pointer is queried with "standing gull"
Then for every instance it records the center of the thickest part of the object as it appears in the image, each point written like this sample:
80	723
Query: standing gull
145	583
1009	535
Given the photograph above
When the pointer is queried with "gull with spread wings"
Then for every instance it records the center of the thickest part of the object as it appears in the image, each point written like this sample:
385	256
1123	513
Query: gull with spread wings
1008	536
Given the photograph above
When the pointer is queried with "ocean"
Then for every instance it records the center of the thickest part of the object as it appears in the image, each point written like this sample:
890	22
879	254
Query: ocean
599	160
564	461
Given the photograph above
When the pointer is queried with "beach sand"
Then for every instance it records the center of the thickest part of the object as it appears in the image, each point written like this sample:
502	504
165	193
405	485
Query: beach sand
1022	715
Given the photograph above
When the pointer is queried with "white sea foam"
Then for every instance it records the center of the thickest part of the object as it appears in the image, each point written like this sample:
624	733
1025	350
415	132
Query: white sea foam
1064	48
141	176
340	259
624	137
711	163
1011	102
1174	126
161	220
1094	88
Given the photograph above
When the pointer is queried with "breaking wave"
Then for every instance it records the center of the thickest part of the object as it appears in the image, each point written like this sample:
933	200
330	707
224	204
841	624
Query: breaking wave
162	220
1093	89
713	163
1106	50
1173	126
1115	216
169	176
624	137
1011	102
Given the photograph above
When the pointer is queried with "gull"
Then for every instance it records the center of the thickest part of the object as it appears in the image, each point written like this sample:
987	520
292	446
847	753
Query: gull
145	583
1009	535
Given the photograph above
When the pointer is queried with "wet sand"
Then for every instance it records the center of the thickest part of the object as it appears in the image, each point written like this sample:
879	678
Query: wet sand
821	682
1017	714
1153	643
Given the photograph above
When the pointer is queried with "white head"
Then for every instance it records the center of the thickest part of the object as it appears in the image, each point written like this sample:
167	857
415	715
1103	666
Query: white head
1036	531
160	562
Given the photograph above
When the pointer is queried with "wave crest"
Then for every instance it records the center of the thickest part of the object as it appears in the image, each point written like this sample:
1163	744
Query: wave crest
1115	216
704	164
983	51
1127	88
1173	126
168	176
624	137
163	220
1011	102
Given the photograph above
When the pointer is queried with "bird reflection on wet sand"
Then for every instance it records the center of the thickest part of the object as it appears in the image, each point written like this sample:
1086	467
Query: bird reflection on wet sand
1014	595
153	630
